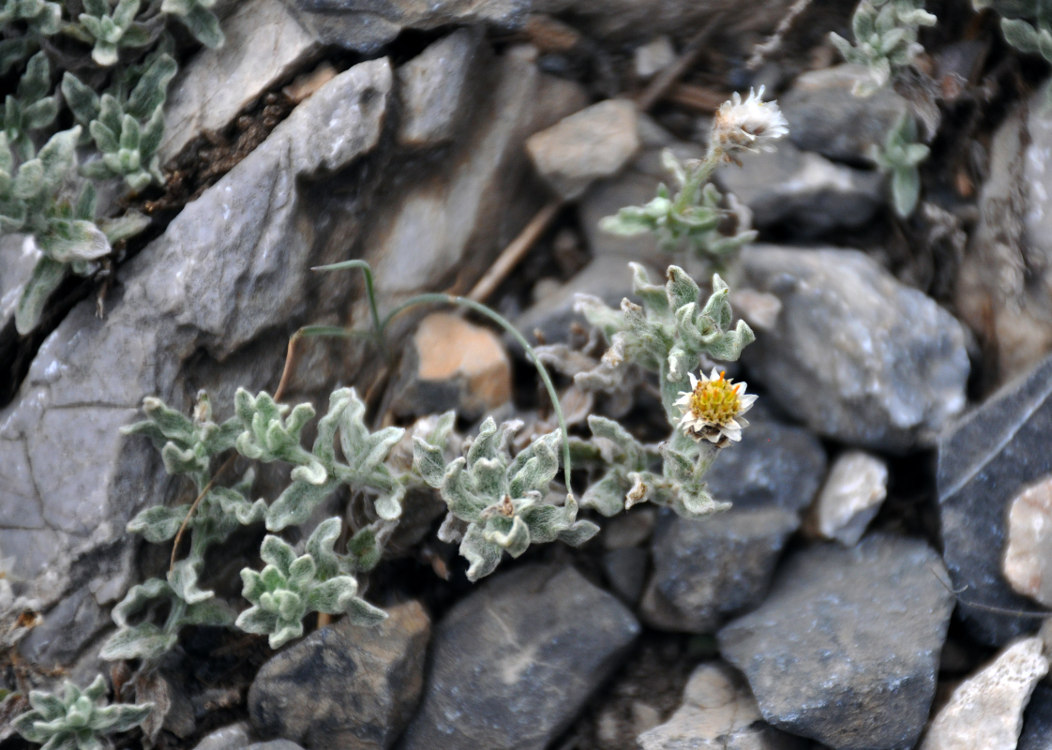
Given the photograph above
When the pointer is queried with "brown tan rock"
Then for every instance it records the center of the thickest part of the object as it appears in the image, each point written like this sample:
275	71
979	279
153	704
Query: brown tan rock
1028	552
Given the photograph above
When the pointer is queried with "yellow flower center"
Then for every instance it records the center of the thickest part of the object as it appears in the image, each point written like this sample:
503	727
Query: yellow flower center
715	401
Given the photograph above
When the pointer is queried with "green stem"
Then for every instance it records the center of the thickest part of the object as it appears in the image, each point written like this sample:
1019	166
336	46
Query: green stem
370	292
500	320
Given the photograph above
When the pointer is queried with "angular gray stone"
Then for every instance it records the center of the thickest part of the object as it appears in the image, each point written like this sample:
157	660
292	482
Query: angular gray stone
986	710
825	117
855	355
435	89
458	218
984	461
718	713
344	687
513	663
586	146
264	45
804	192
367	25
846	647
1005	278
230	270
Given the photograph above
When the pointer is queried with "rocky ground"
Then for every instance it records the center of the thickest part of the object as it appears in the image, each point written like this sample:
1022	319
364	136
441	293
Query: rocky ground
881	578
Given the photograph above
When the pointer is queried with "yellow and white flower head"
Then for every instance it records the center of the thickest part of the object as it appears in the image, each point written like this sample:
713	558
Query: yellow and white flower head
751	125
713	408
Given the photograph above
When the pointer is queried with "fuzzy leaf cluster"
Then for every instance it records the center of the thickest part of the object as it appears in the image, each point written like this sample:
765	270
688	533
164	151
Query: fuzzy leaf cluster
671	331
670	474
108	29
688	220
187	445
900	156
75	719
199	19
498	503
885	34
139	637
42	16
29	108
290	587
268	436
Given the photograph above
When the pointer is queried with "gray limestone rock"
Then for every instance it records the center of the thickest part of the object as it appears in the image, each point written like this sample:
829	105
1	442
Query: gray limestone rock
588	145
231	268
435	89
367	25
855	355
984	462
718	713
345	687
225	738
846	647
804	192
513	663
245	66
825	117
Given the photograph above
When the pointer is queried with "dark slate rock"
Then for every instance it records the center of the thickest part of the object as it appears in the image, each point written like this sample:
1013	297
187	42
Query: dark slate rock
514	662
775	465
707	570
846	647
804	192
983	463
1037	721
344	687
855	355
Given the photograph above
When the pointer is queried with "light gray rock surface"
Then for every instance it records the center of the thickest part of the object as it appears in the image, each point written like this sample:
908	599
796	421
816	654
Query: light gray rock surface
855	355
588	145
845	649
987	709
367	25
436	90
825	117
513	662
245	67
345	687
233	266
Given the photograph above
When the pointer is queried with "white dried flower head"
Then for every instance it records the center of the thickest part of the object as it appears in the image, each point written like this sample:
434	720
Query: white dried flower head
713	408
751	125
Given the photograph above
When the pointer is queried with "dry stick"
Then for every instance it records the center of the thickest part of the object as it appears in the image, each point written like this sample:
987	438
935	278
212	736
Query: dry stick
514	252
286	375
